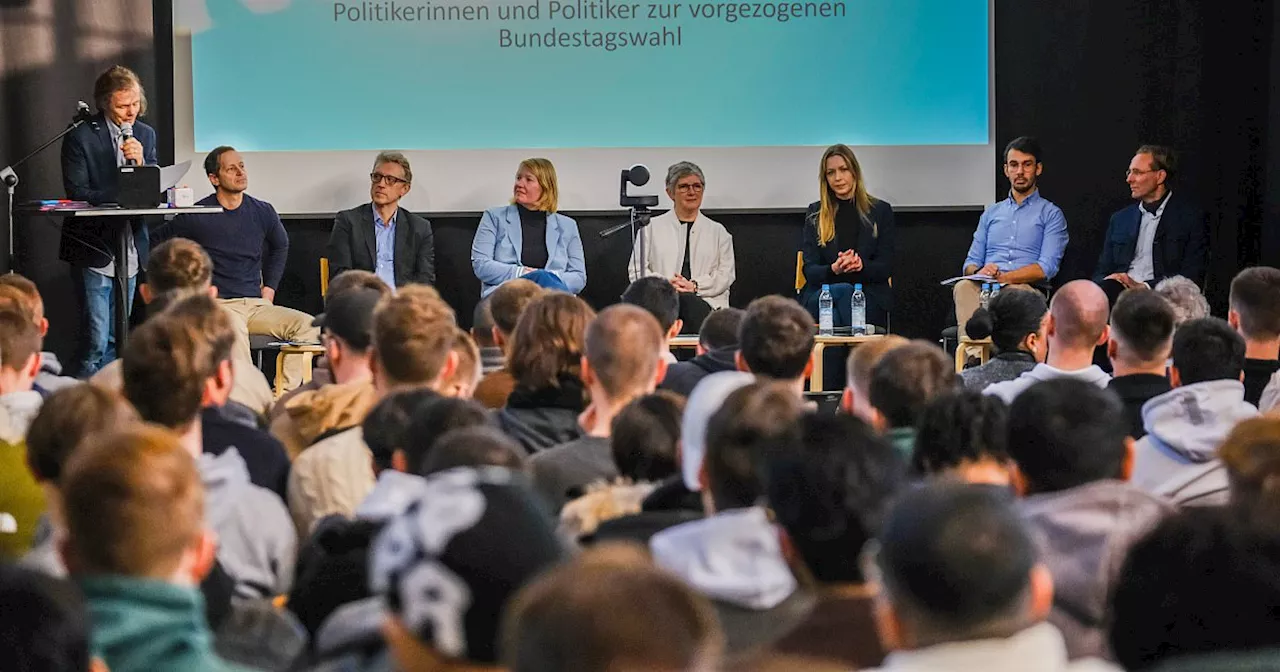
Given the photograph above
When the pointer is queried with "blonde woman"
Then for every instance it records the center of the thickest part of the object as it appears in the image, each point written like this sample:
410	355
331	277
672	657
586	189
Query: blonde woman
848	239
528	238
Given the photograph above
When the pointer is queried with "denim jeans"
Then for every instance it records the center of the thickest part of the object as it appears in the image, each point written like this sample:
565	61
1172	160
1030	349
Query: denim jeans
99	348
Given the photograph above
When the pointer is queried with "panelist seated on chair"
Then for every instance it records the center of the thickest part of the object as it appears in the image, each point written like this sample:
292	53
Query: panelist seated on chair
248	245
1019	241
91	157
528	238
1159	236
848	240
380	236
689	249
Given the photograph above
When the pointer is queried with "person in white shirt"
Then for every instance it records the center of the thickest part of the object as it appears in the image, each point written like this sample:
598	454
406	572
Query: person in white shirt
1075	324
691	250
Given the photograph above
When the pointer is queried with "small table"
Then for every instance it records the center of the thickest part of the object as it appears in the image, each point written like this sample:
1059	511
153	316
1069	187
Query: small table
307	351
820	343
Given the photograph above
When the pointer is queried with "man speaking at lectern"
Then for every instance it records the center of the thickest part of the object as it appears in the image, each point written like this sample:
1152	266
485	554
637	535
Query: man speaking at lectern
91	157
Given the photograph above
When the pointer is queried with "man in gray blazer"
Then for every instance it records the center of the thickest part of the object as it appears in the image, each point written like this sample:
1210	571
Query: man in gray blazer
382	237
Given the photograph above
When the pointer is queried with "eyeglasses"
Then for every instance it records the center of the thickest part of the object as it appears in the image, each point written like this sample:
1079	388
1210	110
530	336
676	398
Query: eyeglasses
1138	173
689	188
391	180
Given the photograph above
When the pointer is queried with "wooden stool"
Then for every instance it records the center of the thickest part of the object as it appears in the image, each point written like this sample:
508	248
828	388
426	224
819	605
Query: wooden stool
308	354
984	351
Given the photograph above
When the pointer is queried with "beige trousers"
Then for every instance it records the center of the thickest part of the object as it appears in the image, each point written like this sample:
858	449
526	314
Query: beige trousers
261	317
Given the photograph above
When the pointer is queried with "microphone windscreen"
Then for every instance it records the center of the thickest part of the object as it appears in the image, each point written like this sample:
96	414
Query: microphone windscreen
638	175
126	130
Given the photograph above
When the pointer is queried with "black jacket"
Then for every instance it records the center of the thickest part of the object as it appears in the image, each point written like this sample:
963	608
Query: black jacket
263	454
1181	244
90	173
875	248
682	377
352	245
541	418
1134	391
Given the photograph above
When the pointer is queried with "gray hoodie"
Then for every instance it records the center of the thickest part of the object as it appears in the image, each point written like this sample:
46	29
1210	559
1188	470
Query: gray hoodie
1085	533
1010	389
17	410
50	378
257	542
1178	456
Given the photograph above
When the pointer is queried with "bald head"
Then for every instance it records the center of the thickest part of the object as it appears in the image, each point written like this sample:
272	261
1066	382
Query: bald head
1079	311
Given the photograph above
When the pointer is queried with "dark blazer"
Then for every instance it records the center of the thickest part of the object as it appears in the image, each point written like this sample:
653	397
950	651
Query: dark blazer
352	245
876	251
1181	245
89	173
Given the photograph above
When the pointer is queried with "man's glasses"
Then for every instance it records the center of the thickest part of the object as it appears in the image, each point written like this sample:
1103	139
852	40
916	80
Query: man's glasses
1138	173
689	188
390	180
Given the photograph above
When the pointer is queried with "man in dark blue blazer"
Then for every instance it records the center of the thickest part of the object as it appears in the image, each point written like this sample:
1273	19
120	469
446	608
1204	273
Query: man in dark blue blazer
91	157
1159	236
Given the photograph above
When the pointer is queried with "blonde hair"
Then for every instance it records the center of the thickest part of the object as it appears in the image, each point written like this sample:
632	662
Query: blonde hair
865	357
545	173
133	502
827	201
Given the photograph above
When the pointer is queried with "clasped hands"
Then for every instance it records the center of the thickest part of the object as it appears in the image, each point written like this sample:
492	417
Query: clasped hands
847	261
1124	279
683	284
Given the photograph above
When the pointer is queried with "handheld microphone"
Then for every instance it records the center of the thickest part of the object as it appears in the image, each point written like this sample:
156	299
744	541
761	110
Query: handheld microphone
126	134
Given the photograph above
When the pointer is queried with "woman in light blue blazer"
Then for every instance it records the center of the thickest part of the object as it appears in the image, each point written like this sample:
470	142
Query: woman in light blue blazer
529	238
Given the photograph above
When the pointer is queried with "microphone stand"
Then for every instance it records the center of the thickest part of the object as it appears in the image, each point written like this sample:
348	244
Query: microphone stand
637	223
10	176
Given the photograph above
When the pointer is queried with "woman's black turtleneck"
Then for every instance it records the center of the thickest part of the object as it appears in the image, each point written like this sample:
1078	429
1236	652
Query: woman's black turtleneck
533	231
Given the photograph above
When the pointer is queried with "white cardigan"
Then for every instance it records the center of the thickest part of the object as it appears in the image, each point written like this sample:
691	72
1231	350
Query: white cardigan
710	260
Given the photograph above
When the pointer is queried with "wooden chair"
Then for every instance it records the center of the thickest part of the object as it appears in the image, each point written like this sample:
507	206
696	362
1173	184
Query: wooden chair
324	277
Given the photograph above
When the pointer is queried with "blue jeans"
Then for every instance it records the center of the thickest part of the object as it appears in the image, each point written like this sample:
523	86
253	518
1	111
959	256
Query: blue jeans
546	280
99	348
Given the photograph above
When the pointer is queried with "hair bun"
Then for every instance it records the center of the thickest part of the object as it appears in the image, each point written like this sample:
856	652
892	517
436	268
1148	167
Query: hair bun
980	325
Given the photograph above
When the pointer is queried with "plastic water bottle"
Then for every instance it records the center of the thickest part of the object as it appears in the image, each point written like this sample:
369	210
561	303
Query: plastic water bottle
985	297
826	311
858	311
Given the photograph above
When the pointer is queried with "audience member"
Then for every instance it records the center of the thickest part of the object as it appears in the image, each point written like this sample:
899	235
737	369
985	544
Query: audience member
574	618
1187	299
717	347
1255	314
904	381
545	359
962	586
1199	593
412	348
623	361
173	364
22	501
346	332
644	442
775	341
137	545
1177	458
476	446
44	627
50	379
466	375
734	555
856	400
1076	326
68	417
447	592
249	246
507	303
431	420
1070	441
1142	324
492	359
657	296
1015	323
829	492
962	435
1251	456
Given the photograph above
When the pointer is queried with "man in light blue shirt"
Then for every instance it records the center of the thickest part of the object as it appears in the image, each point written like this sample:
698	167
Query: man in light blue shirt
1020	240
384	243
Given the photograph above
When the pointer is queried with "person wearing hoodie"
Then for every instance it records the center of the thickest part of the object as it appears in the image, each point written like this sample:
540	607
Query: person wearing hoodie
1142	324
623	361
658	297
1071	443
545	359
1076	326
963	588
829	492
22	501
173	365
904	381
1255	314
734	556
137	545
776	342
716	351
413	339
1178	456
505	305
50	378
346	332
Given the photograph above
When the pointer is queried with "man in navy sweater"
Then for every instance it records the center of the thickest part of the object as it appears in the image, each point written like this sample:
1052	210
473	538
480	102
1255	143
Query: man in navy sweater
248	245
